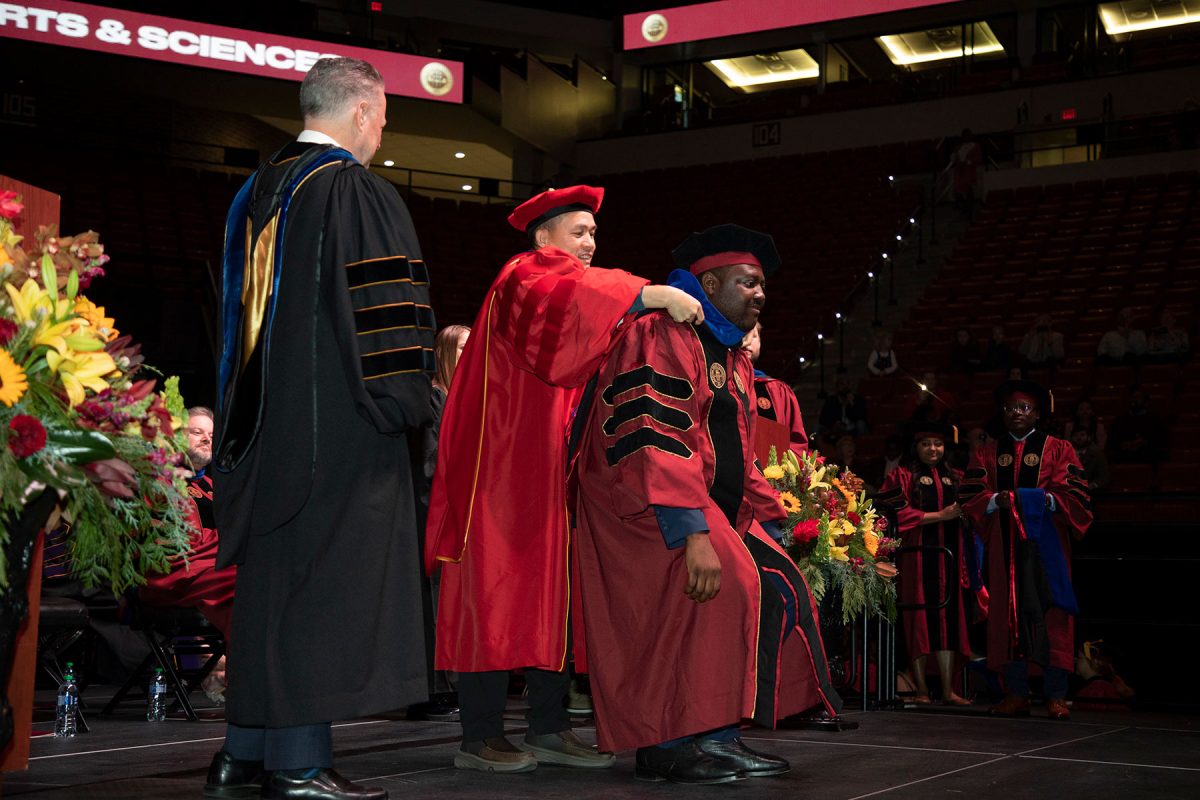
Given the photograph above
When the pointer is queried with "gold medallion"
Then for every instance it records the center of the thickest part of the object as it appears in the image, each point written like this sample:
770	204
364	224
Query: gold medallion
926	480
1031	460
654	28
764	403
946	480
737	379
716	375
436	78
1005	460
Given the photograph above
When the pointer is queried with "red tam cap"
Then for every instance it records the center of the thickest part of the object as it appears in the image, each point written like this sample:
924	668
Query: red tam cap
552	202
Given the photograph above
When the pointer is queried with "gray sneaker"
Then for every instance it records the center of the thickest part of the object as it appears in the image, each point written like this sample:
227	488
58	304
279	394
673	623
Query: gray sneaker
567	749
494	755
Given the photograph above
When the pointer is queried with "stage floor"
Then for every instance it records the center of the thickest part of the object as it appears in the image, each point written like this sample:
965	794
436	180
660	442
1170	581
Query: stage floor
893	754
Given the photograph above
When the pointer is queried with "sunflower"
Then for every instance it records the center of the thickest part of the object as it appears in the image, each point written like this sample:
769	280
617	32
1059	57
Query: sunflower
789	501
12	380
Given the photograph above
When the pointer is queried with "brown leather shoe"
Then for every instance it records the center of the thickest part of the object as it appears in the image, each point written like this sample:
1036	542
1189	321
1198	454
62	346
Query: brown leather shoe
1011	706
1057	708
494	755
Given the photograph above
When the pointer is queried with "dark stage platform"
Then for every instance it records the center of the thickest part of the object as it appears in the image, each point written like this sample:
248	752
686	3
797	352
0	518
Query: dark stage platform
893	754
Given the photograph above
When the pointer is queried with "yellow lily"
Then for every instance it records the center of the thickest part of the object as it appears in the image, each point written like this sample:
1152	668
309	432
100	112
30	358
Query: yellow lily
789	466
838	553
80	371
817	479
27	299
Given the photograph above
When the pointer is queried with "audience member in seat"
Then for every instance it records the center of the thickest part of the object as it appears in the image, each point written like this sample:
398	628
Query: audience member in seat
1085	417
1124	344
1168	342
997	354
844	452
964	352
882	360
1042	345
844	411
931	404
1091	456
1138	436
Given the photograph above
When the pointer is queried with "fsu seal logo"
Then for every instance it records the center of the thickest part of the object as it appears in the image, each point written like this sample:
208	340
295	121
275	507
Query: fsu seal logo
764	403
737	379
436	78
926	480
946	480
654	28
716	375
1031	460
1005	460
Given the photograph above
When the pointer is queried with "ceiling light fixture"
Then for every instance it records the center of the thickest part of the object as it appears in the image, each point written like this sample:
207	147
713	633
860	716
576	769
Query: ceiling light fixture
389	163
467	187
940	44
460	154
1145	15
764	68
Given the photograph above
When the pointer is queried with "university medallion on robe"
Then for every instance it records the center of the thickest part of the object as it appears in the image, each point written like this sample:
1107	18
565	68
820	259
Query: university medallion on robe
764	403
926	480
737	379
716	375
946	480
1005	460
1031	460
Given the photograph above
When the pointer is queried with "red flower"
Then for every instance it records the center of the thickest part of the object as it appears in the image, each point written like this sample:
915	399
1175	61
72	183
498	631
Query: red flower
8	329
855	519
10	204
806	531
26	435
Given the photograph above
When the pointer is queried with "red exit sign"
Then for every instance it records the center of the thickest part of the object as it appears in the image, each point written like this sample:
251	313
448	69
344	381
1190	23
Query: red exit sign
1068	114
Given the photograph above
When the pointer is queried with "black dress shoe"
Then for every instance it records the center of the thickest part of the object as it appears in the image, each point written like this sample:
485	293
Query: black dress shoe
325	785
737	755
684	763
230	778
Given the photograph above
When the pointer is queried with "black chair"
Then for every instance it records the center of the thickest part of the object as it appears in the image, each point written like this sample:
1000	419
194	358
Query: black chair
61	621
171	632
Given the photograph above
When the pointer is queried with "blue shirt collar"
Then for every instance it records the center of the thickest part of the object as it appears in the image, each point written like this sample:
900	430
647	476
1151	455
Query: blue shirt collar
758	373
725	331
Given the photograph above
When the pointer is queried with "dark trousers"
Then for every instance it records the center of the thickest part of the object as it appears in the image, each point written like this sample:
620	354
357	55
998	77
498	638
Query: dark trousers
482	697
294	748
1016	676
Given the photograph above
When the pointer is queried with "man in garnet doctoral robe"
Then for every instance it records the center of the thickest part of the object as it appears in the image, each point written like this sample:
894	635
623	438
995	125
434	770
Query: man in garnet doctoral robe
1028	495
701	619
498	522
774	399
325	367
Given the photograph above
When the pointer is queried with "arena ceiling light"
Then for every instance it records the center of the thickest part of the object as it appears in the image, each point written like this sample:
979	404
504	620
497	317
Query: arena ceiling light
939	44
746	72
1143	15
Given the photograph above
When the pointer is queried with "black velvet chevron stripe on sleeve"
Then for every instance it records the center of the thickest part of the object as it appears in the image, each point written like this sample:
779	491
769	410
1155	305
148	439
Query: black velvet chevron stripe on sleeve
894	498
396	362
665	385
641	438
392	269
647	406
972	483
393	316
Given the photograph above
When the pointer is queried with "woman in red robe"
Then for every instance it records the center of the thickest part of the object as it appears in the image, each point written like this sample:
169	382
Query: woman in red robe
924	499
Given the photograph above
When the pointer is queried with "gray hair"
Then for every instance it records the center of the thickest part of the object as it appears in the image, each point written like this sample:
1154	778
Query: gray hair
332	83
200	411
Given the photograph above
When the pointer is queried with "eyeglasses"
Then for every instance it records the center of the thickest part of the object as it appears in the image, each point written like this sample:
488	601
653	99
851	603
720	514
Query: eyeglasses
1023	408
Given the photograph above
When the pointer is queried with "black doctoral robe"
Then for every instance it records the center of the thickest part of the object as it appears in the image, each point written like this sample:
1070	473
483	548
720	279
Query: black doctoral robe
325	367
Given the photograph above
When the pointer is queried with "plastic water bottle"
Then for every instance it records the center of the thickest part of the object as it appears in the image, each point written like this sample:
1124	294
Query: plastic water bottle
156	697
66	715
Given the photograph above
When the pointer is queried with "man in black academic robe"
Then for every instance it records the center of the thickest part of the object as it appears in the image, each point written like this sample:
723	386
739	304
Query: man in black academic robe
327	351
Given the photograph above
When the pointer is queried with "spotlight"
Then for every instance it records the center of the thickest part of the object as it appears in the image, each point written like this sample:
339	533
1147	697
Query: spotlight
801	359
837	315
820	337
885	255
870	274
898	237
460	154
467	187
912	221
891	177
389	163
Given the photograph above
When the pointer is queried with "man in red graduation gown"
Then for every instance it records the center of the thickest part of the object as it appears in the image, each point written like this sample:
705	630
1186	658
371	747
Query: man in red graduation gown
498	522
702	619
1028	495
774	399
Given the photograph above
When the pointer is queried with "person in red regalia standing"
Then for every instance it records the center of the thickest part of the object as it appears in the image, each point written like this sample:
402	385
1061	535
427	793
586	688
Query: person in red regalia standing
1028	495
498	523
702	619
775	400
924	497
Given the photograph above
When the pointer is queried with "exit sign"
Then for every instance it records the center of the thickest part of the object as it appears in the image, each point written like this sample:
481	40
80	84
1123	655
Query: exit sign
1068	114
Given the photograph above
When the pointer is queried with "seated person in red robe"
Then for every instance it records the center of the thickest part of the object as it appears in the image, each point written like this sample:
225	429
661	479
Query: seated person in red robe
775	400
697	619
198	583
1028	496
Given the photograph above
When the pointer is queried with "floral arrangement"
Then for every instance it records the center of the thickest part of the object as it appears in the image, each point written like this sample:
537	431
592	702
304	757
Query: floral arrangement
74	418
834	535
